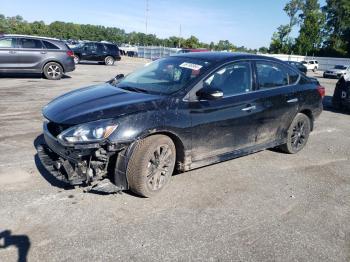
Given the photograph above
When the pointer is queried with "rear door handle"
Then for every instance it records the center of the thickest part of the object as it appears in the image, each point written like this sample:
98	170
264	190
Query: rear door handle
293	100
12	52
249	108
43	52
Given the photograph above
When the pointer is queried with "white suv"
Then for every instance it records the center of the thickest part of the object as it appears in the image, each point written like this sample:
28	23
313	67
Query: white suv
311	65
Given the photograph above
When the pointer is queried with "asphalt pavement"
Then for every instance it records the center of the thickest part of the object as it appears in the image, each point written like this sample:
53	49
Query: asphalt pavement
267	206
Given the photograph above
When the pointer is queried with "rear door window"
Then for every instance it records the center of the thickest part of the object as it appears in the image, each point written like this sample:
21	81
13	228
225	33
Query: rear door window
28	43
7	42
271	75
90	47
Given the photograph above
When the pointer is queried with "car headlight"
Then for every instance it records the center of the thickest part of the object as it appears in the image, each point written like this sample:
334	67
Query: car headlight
89	132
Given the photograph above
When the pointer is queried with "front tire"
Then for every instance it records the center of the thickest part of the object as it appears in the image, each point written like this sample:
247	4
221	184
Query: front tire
53	71
151	165
109	61
297	135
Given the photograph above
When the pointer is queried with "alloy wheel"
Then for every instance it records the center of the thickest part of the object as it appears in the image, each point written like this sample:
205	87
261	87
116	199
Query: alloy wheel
54	71
158	167
298	137
109	61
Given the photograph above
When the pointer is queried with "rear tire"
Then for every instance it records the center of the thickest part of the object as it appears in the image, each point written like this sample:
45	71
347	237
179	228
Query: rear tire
109	61
151	165
53	71
297	134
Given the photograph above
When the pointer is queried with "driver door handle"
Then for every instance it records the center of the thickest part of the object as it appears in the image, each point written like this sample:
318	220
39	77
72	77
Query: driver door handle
12	52
293	100
249	108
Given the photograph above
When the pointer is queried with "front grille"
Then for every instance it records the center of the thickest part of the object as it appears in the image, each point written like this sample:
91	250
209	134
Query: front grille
55	129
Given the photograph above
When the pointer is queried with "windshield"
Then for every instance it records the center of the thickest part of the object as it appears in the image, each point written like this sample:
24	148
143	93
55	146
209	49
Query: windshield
165	76
341	67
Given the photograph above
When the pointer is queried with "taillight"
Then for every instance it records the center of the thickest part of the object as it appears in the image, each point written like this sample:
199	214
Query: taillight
321	90
70	53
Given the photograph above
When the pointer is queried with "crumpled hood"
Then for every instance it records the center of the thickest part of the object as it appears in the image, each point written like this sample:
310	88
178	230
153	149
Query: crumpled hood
98	102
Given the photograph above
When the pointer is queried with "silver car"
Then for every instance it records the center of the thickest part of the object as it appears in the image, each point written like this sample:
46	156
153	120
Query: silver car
337	71
32	54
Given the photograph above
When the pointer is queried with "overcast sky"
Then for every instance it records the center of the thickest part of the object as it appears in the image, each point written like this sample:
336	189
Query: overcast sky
249	23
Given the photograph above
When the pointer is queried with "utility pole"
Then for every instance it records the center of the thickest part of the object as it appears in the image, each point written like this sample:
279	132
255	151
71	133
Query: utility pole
146	16
180	37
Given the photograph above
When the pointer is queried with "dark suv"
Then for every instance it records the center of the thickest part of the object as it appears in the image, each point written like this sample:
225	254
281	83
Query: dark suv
96	51
31	54
183	111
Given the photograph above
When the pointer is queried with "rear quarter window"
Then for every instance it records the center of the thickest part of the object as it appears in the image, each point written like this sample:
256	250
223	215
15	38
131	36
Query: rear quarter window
50	45
292	76
112	48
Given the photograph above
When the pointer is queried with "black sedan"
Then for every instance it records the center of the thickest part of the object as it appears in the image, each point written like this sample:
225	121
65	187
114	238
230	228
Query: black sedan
341	96
298	65
181	112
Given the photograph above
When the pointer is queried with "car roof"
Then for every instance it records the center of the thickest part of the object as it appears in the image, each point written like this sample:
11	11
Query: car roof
222	56
31	36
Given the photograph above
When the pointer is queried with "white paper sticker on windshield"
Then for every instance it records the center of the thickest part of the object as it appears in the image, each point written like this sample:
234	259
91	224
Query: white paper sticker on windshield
191	66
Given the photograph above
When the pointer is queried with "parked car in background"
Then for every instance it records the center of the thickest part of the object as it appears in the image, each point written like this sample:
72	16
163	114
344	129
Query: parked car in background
32	54
311	65
337	71
298	65
341	95
184	111
106	53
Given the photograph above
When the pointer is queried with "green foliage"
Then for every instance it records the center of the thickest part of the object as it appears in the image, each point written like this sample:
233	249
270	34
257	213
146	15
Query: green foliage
337	13
281	42
62	30
310	34
323	31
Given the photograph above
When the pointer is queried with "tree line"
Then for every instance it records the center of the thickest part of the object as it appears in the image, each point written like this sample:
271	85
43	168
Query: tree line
323	31
63	30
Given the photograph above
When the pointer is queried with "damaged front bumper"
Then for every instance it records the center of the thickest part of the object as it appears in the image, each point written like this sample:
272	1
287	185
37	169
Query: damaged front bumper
83	164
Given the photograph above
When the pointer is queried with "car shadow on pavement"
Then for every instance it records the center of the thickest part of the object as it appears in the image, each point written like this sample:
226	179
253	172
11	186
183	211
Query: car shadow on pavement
42	170
327	106
27	75
21	242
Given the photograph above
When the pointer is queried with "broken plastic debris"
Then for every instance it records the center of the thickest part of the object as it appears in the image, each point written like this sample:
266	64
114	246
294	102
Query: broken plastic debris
104	186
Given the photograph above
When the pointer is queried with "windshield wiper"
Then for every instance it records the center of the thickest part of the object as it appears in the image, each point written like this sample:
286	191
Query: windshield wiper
133	89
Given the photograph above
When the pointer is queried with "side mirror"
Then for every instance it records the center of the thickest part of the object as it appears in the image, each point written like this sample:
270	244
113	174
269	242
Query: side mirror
208	93
119	76
116	79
